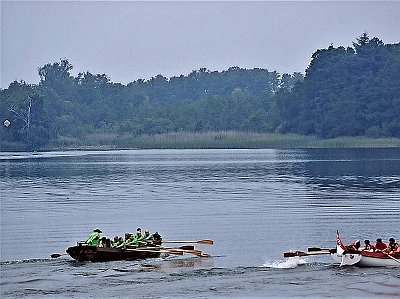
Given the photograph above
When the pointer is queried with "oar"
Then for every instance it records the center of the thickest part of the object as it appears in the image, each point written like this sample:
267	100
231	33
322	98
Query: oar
302	253
191	251
393	258
57	255
186	247
155	251
204	242
310	249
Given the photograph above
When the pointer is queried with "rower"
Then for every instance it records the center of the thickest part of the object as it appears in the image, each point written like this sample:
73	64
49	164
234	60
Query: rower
157	238
105	242
138	234
380	245
392	246
117	241
147	236
354	246
94	238
120	241
368	246
138	238
126	241
130	240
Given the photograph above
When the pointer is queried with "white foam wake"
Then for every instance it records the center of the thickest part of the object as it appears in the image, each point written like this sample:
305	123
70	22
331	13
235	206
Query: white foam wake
289	263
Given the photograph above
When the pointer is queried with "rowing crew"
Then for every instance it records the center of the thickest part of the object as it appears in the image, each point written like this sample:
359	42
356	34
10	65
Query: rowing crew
138	239
392	247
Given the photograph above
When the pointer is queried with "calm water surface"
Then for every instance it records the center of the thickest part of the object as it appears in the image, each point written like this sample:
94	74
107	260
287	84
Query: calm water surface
255	204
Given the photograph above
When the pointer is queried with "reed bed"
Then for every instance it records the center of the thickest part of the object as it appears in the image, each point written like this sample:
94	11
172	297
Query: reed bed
220	140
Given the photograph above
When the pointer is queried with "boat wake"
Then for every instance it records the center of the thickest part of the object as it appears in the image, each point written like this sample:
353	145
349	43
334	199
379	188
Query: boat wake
289	263
24	261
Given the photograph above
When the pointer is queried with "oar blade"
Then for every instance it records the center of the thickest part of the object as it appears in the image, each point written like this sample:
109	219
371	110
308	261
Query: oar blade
203	254
57	255
187	247
206	242
176	252
294	253
195	252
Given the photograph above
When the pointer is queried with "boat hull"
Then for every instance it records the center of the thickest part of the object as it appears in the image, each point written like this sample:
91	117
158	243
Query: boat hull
373	259
85	253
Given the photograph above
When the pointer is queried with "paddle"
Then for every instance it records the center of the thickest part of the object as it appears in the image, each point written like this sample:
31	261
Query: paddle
302	253
57	255
204	242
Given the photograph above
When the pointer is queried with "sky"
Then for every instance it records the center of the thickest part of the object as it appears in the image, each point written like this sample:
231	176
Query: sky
129	40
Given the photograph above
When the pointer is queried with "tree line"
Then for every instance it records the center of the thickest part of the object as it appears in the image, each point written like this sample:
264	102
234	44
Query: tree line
353	91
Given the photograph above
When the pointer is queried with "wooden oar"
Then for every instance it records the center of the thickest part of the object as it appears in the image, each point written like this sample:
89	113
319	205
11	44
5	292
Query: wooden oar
310	249
302	253
57	255
177	252
204	242
186	247
191	251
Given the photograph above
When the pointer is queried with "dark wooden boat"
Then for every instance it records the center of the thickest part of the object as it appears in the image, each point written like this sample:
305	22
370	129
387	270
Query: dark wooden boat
85	253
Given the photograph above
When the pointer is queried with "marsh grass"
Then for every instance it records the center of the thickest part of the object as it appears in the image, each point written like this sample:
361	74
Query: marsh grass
224	139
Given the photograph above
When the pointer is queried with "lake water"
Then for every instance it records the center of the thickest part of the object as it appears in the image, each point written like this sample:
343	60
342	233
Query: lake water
255	204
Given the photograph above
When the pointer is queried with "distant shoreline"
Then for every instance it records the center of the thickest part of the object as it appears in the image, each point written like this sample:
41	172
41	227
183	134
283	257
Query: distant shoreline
206	140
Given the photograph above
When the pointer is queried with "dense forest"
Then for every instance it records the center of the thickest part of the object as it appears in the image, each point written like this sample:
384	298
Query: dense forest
353	91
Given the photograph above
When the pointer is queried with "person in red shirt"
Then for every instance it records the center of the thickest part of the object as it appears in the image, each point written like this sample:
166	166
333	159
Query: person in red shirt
380	245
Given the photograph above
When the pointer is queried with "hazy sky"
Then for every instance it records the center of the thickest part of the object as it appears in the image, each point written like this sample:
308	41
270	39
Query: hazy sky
128	40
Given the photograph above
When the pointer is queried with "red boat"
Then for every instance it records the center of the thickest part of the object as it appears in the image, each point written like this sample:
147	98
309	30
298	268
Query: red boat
364	258
349	257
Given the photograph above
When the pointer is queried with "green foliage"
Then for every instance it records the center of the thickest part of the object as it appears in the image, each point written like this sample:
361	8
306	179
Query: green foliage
346	92
65	107
353	91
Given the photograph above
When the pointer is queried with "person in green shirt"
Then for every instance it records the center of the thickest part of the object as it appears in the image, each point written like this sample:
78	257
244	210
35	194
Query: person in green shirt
139	239
135	239
129	238
94	238
147	237
138	234
117	241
